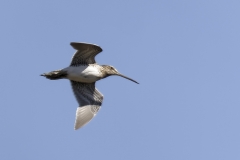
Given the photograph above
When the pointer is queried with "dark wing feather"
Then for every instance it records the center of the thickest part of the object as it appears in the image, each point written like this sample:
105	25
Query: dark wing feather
90	101
86	94
85	53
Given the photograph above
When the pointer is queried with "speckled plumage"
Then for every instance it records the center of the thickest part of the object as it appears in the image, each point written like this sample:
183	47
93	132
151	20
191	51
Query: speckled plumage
83	72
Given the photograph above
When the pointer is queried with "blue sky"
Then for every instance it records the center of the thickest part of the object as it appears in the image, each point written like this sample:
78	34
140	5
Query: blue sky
184	54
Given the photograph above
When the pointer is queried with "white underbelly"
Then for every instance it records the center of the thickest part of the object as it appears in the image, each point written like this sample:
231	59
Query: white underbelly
85	74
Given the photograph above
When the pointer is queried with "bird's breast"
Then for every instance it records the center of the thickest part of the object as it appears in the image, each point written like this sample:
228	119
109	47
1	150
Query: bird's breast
84	74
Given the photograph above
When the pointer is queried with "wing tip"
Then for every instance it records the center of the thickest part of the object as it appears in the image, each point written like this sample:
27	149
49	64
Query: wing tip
75	128
84	115
76	45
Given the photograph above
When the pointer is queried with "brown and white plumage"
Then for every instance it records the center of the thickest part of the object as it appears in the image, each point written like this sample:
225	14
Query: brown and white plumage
88	97
89	100
83	72
85	53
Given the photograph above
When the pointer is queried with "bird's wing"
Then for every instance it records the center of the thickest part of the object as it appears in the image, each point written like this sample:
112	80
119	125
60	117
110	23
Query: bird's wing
85	114
90	101
85	53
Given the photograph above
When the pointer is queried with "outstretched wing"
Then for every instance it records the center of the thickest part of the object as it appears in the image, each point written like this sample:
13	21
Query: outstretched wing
90	101
85	53
85	114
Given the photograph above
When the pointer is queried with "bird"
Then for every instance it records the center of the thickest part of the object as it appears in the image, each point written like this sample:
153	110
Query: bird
83	73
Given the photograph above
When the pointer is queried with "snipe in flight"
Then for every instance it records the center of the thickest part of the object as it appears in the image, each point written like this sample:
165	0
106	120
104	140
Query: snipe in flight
83	72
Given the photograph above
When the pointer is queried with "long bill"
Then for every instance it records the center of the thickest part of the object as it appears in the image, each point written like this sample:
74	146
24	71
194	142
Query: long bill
118	74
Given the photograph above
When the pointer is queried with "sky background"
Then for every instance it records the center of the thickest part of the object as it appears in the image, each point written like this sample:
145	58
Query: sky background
184	53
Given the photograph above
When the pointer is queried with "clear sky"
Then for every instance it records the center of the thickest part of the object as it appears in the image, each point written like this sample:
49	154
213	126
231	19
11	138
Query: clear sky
184	53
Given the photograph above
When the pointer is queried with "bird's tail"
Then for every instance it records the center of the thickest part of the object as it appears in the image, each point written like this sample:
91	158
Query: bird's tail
54	75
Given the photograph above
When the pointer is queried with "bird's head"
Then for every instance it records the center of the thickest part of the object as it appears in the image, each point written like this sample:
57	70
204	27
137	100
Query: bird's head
110	70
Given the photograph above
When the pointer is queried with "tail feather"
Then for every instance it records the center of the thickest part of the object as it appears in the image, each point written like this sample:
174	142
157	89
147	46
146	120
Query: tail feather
54	75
